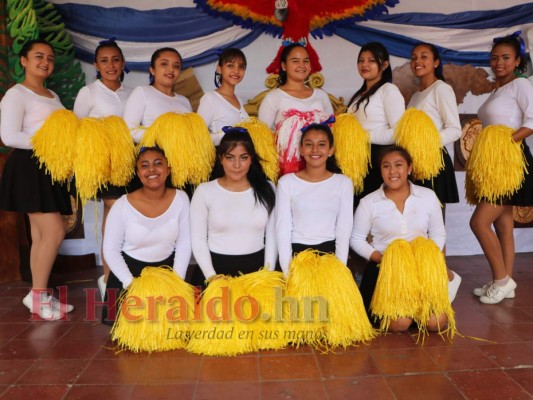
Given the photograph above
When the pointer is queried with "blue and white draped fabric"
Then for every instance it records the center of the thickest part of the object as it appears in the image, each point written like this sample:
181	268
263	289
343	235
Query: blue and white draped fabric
141	27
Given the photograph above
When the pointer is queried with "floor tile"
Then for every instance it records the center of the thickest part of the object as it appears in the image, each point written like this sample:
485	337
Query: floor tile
524	377
40	331
293	390
25	349
492	384
299	366
347	365
228	391
425	386
120	371
40	392
358	388
104	392
163	392
401	361
53	371
12	370
393	341
220	369
73	348
459	358
510	355
171	370
11	330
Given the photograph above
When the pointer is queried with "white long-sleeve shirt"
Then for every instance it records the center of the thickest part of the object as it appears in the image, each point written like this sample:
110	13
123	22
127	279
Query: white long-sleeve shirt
313	213
277	102
381	115
377	215
146	103
230	223
96	100
217	113
439	102
511	105
147	239
22	113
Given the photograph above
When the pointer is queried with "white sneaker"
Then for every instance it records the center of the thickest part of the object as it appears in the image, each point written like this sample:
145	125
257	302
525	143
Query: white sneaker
481	291
44	306
101	285
496	293
453	285
64	307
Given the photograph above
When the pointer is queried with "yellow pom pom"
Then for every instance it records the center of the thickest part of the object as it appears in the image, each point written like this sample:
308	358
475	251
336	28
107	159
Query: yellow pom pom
433	278
417	133
156	312
92	165
187	144
496	166
330	308
54	144
265	146
122	151
397	292
352	149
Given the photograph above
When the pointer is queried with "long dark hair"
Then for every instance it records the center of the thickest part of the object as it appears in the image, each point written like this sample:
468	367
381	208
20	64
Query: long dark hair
157	54
29	45
436	56
262	188
331	163
108	44
513	41
228	55
381	55
282	79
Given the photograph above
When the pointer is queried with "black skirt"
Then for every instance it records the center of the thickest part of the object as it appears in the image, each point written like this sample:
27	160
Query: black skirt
373	179
27	188
232	265
524	196
444	184
325	247
114	290
368	285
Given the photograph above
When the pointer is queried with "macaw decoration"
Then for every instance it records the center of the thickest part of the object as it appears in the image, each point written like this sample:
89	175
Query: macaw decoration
294	20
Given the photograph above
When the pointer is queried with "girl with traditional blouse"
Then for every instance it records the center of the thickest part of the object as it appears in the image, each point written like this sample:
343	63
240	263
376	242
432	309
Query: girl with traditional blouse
222	107
378	105
511	104
232	216
148	227
146	103
104	97
26	187
314	207
292	105
397	210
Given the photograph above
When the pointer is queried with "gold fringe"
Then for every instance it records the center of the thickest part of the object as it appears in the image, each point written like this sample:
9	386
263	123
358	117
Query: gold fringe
92	165
54	144
352	149
330	308
433	278
122	151
163	323
221	337
265	146
496	165
187	144
397	292
417	133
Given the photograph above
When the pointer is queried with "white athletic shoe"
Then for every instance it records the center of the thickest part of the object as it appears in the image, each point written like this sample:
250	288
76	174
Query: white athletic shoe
496	293
453	285
482	291
44	306
101	285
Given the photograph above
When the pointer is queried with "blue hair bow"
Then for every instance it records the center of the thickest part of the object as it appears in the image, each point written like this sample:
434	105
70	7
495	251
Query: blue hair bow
327	123
302	42
228	129
516	36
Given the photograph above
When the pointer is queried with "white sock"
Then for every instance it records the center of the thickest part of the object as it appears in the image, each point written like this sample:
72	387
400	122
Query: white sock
502	282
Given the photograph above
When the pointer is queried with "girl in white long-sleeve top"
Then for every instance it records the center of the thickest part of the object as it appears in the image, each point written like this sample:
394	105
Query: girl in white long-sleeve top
232	216
378	105
27	188
314	207
146	103
222	107
437	99
149	227
104	97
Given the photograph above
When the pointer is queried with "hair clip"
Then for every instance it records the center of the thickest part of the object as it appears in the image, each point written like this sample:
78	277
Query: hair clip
314	125
301	42
228	129
218	52
112	39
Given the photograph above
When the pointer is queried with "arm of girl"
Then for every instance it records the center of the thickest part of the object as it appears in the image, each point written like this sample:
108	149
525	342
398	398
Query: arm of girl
271	248
83	103
524	98
436	228
326	103
344	223
447	105
394	106
183	242
362	225
133	113
268	109
284	225
113	240
206	110
12	111
199	216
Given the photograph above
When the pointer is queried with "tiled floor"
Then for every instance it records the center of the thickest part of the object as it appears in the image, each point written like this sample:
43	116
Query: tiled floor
75	360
